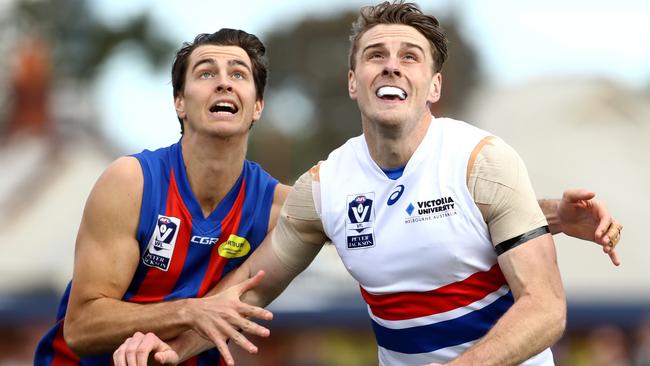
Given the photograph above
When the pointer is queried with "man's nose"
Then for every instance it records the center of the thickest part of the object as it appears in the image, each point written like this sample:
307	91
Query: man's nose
224	85
392	68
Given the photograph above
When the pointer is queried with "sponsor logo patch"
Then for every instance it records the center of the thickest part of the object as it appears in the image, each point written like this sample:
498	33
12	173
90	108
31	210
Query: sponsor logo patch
359	221
203	240
430	210
161	244
234	247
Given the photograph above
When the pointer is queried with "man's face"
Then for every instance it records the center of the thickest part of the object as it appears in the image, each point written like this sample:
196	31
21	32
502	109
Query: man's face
219	96
394	78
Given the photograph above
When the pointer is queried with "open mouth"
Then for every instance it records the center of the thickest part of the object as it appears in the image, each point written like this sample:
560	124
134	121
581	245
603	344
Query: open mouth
224	107
391	93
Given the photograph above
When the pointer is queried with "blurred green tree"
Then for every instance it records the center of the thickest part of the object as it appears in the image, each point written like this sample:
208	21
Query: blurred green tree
80	43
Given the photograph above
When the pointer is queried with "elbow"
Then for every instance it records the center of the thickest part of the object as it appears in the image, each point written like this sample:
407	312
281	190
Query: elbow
558	318
74	338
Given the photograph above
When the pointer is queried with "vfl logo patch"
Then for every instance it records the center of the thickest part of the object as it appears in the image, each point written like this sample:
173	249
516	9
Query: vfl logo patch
234	247
397	193
359	223
161	244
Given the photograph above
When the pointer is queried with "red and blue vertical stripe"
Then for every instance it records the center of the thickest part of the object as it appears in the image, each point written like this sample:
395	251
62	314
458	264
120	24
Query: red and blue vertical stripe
194	268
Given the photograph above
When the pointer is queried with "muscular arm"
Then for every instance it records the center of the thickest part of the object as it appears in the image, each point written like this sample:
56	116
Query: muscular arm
538	316
106	256
527	260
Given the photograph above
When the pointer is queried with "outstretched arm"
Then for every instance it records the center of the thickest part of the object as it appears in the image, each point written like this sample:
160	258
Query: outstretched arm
580	215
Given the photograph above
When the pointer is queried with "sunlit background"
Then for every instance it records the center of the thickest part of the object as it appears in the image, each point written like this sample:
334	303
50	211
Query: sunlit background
566	83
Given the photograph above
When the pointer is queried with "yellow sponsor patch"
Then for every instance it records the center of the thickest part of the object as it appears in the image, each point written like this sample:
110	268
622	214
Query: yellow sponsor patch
234	247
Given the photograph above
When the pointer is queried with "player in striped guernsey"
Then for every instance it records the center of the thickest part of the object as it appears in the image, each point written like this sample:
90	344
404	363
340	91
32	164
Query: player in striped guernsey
162	227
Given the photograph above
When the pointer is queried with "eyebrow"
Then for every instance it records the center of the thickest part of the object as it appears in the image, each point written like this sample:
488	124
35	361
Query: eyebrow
233	62
374	45
382	45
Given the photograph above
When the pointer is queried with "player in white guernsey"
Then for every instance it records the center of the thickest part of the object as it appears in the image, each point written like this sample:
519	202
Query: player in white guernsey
435	219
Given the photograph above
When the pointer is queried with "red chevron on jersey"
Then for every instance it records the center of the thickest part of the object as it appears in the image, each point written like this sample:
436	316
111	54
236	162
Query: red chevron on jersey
230	225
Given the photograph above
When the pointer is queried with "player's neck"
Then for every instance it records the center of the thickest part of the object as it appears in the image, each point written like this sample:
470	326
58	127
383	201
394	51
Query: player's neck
393	147
212	168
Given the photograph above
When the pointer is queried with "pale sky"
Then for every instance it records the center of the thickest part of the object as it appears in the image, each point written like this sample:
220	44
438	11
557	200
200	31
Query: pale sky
516	41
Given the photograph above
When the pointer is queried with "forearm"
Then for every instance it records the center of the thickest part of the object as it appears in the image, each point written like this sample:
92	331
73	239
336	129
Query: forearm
549	208
189	344
282	258
101	325
526	329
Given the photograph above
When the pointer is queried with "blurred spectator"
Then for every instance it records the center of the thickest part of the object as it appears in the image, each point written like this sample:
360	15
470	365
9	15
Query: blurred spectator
608	346
30	85
642	344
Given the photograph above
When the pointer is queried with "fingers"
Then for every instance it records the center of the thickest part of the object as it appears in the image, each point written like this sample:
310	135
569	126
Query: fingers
127	353
224	351
575	195
257	312
254	328
135	350
168	357
614	233
612	237
613	256
231	333
224	331
251	283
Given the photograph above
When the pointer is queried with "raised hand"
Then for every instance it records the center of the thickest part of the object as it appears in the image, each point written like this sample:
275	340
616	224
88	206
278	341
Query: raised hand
584	217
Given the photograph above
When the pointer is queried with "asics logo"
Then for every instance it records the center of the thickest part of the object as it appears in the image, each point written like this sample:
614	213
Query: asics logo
397	193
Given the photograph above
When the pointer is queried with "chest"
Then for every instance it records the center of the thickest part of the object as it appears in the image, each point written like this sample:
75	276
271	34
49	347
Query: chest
414	234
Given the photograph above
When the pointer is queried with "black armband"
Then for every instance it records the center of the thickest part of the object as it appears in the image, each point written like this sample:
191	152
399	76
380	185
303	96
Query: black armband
520	239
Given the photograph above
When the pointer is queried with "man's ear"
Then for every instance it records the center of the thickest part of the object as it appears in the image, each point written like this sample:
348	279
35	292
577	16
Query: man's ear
435	89
259	107
179	105
352	85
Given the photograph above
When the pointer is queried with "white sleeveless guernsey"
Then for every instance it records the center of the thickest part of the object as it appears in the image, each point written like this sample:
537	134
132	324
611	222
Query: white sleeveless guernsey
418	246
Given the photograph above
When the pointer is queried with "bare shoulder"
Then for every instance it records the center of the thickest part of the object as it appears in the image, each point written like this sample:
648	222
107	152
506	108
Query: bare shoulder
116	196
125	173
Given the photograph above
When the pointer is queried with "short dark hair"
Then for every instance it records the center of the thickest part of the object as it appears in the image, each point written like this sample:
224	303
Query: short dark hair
402	13
223	37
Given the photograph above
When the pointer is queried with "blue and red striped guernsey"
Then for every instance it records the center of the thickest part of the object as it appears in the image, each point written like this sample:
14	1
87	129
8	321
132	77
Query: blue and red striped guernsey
183	253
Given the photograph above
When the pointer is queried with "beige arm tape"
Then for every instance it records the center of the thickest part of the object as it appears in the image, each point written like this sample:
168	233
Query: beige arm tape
498	181
299	234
